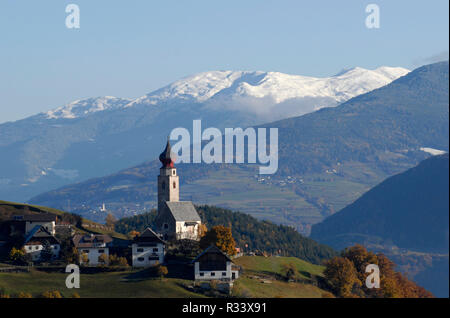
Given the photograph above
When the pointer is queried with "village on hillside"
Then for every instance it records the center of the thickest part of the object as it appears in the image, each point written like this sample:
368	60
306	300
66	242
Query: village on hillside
46	239
176	255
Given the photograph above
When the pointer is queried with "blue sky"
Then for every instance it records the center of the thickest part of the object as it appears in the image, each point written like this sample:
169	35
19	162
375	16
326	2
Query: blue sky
129	48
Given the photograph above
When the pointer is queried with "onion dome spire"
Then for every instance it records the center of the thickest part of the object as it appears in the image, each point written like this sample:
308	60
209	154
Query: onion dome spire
166	157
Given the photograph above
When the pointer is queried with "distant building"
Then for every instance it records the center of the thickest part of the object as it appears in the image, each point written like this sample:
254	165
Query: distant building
47	220
175	219
37	240
147	249
93	245
213	264
64	229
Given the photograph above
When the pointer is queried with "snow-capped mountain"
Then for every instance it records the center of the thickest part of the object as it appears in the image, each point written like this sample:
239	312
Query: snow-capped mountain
260	93
85	107
97	136
271	94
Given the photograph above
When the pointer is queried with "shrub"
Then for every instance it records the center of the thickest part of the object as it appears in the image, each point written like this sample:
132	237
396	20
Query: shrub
162	271
17	255
51	294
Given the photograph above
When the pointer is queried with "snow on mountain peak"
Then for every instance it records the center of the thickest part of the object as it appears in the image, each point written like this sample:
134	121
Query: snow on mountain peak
275	94
81	108
279	87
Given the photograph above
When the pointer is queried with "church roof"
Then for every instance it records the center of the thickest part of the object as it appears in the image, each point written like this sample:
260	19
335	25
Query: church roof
183	211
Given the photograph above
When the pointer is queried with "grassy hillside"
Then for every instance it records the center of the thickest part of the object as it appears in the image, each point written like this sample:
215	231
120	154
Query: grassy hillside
109	285
135	283
263	277
273	265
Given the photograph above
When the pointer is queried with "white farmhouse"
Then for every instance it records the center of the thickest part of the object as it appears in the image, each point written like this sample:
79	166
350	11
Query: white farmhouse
147	249
38	239
47	220
213	264
92	245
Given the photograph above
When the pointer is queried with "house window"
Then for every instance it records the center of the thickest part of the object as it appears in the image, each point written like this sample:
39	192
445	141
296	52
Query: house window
155	250
36	247
174	185
224	274
140	259
213	274
140	250
202	274
153	258
166	226
173	172
101	251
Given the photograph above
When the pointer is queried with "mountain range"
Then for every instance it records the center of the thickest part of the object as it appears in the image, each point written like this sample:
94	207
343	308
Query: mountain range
327	159
98	136
406	217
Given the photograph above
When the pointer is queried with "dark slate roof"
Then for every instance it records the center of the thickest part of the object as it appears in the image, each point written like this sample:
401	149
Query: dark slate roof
148	236
212	249
39	234
41	217
89	240
183	211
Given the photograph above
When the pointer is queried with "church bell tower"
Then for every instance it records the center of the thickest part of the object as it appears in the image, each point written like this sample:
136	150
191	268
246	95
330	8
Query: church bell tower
168	181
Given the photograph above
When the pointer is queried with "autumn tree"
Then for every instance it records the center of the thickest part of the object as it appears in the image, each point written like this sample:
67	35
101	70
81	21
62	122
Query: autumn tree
360	257
341	276
16	255
202	229
103	259
347	276
110	220
115	260
84	258
162	271
221	237
132	234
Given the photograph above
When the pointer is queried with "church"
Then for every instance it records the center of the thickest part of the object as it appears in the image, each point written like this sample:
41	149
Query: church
175	219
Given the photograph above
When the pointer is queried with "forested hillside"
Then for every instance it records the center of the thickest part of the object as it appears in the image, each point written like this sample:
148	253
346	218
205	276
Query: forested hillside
249	233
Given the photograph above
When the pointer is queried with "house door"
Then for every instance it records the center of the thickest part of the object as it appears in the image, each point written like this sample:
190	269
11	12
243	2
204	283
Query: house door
233	276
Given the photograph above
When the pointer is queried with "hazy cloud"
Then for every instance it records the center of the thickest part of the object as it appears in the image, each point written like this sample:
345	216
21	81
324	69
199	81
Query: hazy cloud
442	56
